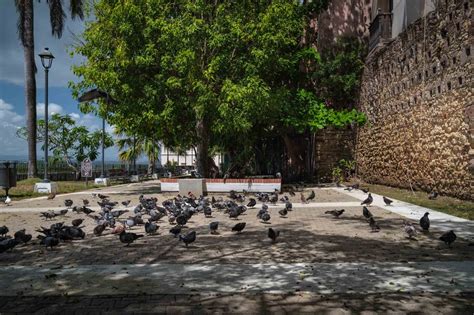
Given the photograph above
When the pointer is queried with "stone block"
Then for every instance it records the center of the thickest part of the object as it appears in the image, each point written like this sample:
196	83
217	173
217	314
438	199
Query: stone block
194	185
102	181
46	188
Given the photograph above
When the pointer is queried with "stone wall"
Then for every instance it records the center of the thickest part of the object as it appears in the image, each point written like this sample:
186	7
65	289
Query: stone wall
331	146
417	92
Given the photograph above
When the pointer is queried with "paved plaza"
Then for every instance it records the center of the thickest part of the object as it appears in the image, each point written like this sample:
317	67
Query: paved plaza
319	264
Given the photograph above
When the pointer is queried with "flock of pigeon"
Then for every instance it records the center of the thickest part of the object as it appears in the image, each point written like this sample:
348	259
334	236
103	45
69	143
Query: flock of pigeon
178	211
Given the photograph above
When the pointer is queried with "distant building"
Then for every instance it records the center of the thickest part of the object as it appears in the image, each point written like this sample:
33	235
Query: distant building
186	158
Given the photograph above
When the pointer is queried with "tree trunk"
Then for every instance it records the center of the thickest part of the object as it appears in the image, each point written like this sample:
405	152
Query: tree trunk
296	150
30	87
202	148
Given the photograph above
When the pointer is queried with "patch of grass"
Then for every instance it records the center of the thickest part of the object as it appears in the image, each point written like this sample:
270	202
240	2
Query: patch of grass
457	207
24	188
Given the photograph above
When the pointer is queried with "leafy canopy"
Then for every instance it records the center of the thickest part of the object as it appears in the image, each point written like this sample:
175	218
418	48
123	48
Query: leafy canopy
67	141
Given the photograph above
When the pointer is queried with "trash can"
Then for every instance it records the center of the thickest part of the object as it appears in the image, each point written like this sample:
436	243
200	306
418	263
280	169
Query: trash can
7	175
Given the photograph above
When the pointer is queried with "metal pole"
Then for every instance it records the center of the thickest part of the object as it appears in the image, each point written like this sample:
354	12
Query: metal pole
46	180
102	174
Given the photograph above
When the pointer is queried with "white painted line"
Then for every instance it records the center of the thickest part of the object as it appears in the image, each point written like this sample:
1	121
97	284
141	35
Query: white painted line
439	220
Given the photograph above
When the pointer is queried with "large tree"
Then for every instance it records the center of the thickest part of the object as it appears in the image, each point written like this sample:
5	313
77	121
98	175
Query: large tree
225	74
25	9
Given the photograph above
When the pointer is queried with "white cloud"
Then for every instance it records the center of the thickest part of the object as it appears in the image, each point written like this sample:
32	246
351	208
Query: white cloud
75	116
8	115
53	108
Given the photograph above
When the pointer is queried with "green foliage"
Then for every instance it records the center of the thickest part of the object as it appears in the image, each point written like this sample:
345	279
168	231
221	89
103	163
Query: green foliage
343	170
337	75
337	175
67	141
227	73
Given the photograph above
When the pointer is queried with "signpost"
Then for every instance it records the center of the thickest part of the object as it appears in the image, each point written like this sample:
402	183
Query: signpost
86	169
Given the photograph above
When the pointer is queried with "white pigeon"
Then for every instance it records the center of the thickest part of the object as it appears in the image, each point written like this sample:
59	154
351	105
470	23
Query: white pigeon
409	229
8	201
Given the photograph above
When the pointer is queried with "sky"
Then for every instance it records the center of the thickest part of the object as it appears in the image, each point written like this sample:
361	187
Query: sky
12	96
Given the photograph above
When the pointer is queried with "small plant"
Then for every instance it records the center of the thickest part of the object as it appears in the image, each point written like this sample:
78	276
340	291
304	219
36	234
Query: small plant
348	168
337	175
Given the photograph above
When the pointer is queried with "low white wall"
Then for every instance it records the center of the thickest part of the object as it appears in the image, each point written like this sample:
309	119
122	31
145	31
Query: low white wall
226	187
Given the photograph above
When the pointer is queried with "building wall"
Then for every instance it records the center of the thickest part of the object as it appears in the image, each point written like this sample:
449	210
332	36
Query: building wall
417	92
343	18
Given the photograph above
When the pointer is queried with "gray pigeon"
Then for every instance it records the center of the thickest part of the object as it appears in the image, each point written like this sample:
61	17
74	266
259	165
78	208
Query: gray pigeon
425	222
188	238
448	238
213	227
175	230
3	230
8	244
68	203
265	217
283	212
335	213
22	237
151	228
367	214
387	201
368	201
373	225
50	242
239	227
273	234
129	238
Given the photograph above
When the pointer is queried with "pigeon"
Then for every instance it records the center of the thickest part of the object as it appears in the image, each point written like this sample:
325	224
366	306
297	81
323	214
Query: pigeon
8	201
151	228
273	234
311	196
409	229
288	206
213	227
3	230
283	212
68	203
387	201
335	213
448	238
8	244
367	214
303	199
102	196
126	203
373	225
99	229
188	238
51	196
425	222
349	189
365	191
239	227
87	210
368	201
118	228
252	203
433	195
175	230
129	238
85	202
265	217
130	222
181	220
50	241
22	237
62	212
207	212
355	186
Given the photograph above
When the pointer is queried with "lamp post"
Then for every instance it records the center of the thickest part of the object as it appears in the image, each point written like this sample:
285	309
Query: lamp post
46	60
90	96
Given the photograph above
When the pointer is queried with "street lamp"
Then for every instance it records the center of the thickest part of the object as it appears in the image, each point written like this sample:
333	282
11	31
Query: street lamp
46	60
90	96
